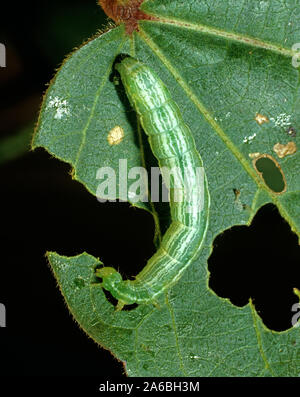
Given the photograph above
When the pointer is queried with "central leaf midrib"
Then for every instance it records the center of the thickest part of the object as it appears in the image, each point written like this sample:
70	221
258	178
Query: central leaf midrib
213	31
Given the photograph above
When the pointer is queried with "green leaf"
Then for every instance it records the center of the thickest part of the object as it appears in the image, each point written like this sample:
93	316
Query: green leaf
224	63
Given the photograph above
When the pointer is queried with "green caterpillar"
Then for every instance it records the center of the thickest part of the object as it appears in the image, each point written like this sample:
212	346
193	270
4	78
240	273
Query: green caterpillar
173	145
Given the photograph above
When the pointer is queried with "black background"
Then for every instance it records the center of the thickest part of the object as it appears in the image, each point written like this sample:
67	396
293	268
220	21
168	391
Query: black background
43	209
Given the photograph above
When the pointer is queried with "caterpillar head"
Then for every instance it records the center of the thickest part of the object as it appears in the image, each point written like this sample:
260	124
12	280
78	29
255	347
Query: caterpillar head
110	277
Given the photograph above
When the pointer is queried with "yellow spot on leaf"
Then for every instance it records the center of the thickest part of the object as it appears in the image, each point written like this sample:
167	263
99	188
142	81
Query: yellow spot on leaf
115	135
284	150
261	119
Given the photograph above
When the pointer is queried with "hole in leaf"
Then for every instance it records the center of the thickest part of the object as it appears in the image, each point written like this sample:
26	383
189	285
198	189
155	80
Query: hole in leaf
270	171
259	262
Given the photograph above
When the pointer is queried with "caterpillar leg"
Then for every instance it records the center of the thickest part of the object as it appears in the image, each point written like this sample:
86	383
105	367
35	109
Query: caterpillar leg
120	305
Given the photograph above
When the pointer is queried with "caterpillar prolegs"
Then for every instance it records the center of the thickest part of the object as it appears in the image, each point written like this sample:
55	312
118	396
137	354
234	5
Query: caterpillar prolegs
173	145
